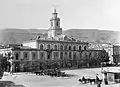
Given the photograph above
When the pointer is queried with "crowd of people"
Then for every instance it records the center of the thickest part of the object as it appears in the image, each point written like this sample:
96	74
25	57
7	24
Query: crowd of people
50	72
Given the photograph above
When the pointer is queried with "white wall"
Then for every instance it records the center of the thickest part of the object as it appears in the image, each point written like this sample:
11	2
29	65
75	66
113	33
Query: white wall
30	44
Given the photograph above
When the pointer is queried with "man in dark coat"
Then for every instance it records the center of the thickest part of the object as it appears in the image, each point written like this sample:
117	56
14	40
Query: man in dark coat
98	81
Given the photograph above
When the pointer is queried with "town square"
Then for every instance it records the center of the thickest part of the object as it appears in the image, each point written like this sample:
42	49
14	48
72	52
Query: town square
79	48
32	80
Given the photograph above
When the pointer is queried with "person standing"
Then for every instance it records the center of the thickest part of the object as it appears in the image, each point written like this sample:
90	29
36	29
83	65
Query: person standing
97	78
98	81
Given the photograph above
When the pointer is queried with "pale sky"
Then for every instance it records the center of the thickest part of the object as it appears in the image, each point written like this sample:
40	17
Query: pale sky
74	14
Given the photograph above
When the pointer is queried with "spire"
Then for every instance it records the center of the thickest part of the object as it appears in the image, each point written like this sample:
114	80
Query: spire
54	13
55	10
54	7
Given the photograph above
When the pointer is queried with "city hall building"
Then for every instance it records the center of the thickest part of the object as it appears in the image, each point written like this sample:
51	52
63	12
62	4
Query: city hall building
56	47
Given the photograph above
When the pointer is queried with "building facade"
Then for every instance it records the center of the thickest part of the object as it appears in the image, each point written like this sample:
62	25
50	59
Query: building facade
57	48
107	47
116	54
25	57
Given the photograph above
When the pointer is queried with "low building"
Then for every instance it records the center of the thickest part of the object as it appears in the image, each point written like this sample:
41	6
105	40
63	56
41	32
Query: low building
107	47
111	75
71	58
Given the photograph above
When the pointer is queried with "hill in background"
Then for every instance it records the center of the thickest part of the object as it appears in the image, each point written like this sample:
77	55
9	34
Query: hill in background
17	36
94	35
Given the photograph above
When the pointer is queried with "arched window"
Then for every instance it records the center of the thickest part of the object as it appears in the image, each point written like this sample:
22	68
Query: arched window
41	55
48	47
65	47
57	23
17	56
61	47
69	47
84	47
34	55
56	54
74	48
55	47
65	55
25	55
80	47
74	56
41	46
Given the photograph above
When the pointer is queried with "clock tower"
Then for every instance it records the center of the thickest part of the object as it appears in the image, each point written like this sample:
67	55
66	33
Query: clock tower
54	29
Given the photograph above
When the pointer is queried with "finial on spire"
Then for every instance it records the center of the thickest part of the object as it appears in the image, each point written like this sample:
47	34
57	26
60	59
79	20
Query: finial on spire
54	7
54	10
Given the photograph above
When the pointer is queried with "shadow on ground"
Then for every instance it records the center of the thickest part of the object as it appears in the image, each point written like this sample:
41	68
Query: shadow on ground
9	84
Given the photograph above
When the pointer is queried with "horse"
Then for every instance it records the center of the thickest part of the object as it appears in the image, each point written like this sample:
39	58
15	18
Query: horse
91	81
83	80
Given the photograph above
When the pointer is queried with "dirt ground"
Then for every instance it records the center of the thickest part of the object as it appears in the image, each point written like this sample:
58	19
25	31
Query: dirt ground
31	80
